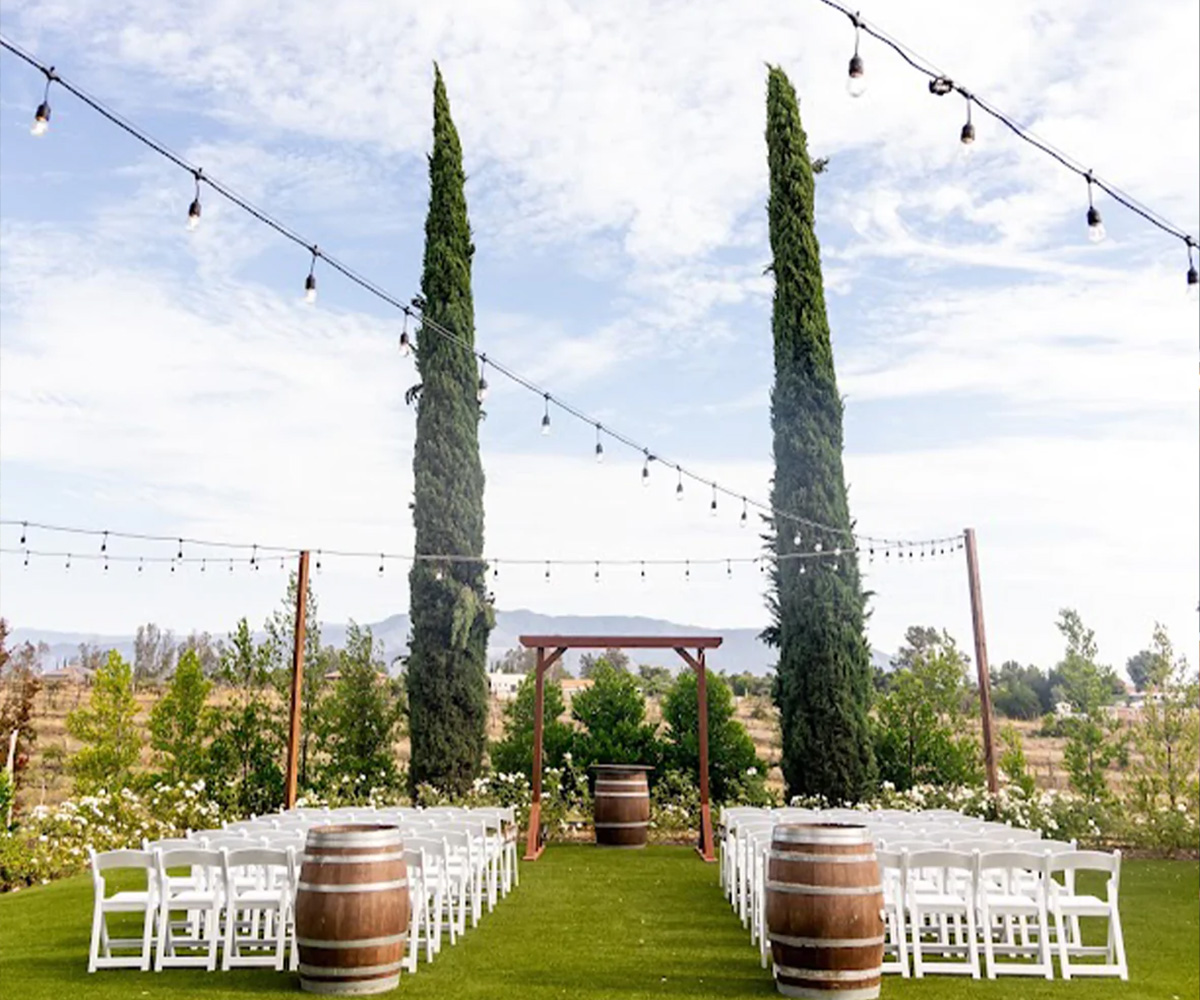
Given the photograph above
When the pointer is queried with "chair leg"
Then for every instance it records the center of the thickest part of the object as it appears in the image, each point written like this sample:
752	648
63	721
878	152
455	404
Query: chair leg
1117	939
97	929
901	943
1064	960
918	958
164	935
972	942
214	924
989	948
147	934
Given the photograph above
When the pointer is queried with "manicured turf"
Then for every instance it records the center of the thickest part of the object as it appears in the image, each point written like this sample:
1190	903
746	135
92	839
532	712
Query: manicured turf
593	924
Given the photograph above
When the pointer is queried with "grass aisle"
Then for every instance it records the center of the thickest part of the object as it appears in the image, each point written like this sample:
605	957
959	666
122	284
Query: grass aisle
595	925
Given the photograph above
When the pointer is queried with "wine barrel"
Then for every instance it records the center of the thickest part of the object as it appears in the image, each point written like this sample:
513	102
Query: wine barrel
824	911
352	909
622	805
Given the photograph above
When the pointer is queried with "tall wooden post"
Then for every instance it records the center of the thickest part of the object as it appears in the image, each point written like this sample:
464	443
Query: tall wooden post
706	837
981	661
293	757
533	845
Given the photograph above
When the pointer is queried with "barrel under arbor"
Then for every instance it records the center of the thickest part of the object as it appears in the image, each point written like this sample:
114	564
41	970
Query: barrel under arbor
824	911
352	909
622	805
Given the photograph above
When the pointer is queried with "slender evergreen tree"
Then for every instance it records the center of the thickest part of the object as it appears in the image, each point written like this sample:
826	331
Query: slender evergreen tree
823	679
451	615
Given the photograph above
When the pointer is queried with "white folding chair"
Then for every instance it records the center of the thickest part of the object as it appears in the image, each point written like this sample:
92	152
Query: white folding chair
440	897
420	924
1012	885
475	857
895	946
258	899
144	901
204	902
1067	905
940	887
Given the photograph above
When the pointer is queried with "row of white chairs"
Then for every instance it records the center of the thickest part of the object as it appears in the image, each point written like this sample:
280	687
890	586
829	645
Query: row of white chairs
233	905
1034	893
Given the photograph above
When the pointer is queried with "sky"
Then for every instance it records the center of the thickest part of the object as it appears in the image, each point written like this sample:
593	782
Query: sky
999	371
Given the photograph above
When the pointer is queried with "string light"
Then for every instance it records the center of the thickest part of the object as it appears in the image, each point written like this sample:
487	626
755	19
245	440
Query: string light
967	136
941	84
417	302
405	343
599	445
193	219
482	389
1095	224
1193	279
679	484
646	470
104	543
41	117
546	414
310	283
856	82
253	557
742	519
24	531
712	507
381	564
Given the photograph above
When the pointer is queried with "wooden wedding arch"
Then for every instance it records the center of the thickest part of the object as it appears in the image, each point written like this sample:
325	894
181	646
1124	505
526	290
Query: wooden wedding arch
550	649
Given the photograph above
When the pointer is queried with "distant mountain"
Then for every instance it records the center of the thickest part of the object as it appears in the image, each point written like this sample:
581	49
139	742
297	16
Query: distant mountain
741	649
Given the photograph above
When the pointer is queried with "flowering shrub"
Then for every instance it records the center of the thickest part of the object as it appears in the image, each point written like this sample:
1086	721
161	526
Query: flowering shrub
53	842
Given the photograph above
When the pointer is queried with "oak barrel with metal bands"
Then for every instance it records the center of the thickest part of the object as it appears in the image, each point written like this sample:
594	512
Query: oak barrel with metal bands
824	911
352	909
622	805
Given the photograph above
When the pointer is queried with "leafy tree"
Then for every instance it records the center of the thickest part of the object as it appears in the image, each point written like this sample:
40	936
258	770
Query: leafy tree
734	769
451	613
1020	692
1138	668
1163	780
360	721
19	685
91	658
207	651
823	680
1012	760
655	681
1093	737
281	638
513	753
920	726
618	659
105	727
747	683
181	722
153	654
613	714
244	772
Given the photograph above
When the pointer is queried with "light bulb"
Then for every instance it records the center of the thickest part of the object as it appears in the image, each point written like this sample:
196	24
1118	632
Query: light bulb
1193	284
405	344
482	391
41	119
646	474
679	490
1095	225
712	508
310	289
193	219
856	82
599	452
546	424
968	135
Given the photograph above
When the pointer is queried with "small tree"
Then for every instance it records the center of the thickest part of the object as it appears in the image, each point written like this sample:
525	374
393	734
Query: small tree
180	723
919	719
1093	737
281	641
618	659
359	722
1164	789
243	758
513	754
153	654
105	727
19	685
654	681
613	714
735	772
1012	760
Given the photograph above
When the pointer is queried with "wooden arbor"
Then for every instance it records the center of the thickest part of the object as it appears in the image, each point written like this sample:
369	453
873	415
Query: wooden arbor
559	644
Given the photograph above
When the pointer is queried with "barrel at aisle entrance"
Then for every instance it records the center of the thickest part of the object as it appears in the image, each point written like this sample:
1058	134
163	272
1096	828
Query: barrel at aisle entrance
622	805
352	909
824	911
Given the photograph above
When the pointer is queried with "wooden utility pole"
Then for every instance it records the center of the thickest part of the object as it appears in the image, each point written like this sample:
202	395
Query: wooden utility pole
981	661
293	757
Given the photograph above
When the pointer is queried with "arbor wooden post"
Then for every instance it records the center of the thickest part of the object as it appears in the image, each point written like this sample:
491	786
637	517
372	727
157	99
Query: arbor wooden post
533	836
697	664
293	756
981	661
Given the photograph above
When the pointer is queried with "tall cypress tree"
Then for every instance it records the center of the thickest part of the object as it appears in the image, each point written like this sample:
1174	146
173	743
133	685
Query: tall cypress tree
451	615
823	678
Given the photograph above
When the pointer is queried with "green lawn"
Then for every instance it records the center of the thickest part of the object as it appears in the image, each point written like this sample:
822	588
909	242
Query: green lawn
598	924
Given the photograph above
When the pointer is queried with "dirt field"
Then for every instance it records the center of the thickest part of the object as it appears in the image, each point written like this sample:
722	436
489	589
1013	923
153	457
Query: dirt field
47	781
